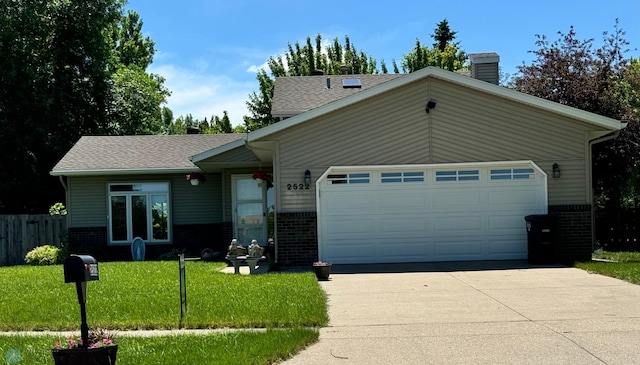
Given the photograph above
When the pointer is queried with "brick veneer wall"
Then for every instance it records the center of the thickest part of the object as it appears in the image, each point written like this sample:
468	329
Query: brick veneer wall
193	238
297	238
574	238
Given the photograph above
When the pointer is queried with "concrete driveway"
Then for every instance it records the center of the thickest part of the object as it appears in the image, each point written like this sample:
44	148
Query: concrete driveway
476	313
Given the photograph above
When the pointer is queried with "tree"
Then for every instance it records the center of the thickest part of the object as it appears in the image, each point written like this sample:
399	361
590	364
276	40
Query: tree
64	73
136	102
570	71
443	35
304	61
54	87
445	54
130	46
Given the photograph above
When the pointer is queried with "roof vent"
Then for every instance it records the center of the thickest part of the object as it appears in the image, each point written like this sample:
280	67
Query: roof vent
317	72
351	83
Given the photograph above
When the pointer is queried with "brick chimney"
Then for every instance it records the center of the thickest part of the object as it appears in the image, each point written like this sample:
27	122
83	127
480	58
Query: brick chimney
484	66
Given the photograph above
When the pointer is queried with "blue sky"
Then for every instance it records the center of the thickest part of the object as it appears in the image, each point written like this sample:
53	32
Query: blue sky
209	50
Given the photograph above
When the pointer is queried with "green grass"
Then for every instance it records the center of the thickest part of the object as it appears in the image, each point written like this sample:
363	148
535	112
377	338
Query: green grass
145	295
243	347
624	265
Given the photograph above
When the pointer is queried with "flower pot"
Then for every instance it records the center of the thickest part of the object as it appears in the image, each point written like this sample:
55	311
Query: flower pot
322	272
105	355
194	182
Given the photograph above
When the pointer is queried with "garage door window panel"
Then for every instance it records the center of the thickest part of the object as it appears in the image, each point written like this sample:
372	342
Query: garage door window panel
353	178
512	174
402	177
458	175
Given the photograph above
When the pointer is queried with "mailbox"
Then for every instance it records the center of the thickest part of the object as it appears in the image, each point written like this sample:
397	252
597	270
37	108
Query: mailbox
79	268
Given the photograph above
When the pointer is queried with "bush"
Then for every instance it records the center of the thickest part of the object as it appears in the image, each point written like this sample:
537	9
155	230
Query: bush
44	255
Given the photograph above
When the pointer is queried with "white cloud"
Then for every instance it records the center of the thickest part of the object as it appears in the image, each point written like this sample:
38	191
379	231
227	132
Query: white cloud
202	94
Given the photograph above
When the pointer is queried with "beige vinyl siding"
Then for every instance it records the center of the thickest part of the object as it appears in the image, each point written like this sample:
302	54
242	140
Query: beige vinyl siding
465	126
189	204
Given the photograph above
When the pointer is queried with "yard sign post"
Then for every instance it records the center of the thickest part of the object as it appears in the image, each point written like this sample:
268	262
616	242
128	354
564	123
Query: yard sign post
183	287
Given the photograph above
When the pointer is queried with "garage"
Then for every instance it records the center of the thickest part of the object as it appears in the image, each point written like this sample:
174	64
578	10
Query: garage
437	212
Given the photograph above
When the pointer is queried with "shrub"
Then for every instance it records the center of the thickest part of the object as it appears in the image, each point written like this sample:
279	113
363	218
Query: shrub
44	255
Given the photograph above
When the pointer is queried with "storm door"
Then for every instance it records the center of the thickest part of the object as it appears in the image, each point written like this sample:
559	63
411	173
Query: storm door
249	210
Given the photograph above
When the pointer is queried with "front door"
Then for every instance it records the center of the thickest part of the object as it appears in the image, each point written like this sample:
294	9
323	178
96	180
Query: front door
249	210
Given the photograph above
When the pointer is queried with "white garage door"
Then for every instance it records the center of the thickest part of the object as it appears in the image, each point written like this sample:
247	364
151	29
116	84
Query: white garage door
416	213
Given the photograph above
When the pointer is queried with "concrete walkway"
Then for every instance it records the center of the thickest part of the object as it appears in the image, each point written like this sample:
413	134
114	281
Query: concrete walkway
476	313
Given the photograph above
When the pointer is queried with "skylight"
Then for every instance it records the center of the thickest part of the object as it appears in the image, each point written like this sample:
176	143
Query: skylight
351	83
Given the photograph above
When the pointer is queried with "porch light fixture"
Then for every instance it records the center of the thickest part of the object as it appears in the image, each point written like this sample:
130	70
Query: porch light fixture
556	171
307	177
430	105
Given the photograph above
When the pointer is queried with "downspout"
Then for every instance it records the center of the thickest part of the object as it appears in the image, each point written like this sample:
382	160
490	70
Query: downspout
66	197
604	138
64	184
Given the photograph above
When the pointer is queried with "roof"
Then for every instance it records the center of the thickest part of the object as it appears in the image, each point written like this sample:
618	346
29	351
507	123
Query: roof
101	155
603	123
293	95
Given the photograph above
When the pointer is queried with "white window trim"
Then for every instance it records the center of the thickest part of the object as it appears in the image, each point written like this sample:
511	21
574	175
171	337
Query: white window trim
129	219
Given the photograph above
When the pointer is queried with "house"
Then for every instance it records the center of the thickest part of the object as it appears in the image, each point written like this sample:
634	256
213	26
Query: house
427	166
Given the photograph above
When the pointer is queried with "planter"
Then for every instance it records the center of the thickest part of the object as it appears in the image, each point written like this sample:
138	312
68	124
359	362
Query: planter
322	271
194	182
105	355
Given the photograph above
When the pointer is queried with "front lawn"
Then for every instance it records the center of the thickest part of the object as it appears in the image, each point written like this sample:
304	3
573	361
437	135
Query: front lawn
621	265
146	295
241	348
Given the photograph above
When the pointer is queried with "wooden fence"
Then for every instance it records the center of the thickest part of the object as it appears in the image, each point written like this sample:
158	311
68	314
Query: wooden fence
618	230
19	234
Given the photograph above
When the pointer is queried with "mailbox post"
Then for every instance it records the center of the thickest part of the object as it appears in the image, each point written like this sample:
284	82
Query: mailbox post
79	269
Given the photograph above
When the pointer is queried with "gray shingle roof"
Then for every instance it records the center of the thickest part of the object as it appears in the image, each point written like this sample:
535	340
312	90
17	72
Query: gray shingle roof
148	152
293	95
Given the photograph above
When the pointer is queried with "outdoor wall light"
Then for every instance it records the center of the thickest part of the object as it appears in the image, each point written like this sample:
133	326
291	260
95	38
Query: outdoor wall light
556	171
307	177
430	105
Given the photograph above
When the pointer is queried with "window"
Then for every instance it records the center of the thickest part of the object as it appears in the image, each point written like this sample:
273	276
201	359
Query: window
458	175
512	174
402	177
355	178
139	210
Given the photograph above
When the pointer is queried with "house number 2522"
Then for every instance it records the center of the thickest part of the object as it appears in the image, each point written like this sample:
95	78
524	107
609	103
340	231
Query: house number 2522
297	186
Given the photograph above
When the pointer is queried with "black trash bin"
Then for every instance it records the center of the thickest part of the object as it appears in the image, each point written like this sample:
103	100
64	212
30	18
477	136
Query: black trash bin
541	237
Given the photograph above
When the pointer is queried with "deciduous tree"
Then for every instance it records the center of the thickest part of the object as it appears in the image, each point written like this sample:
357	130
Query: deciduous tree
335	58
601	80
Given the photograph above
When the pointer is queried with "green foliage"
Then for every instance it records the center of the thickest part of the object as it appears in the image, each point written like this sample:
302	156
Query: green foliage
69	68
451	59
43	255
57	209
445	54
600	80
131	48
54	88
136	102
443	35
304	61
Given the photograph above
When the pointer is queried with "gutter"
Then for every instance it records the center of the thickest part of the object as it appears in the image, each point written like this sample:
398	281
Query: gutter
104	172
